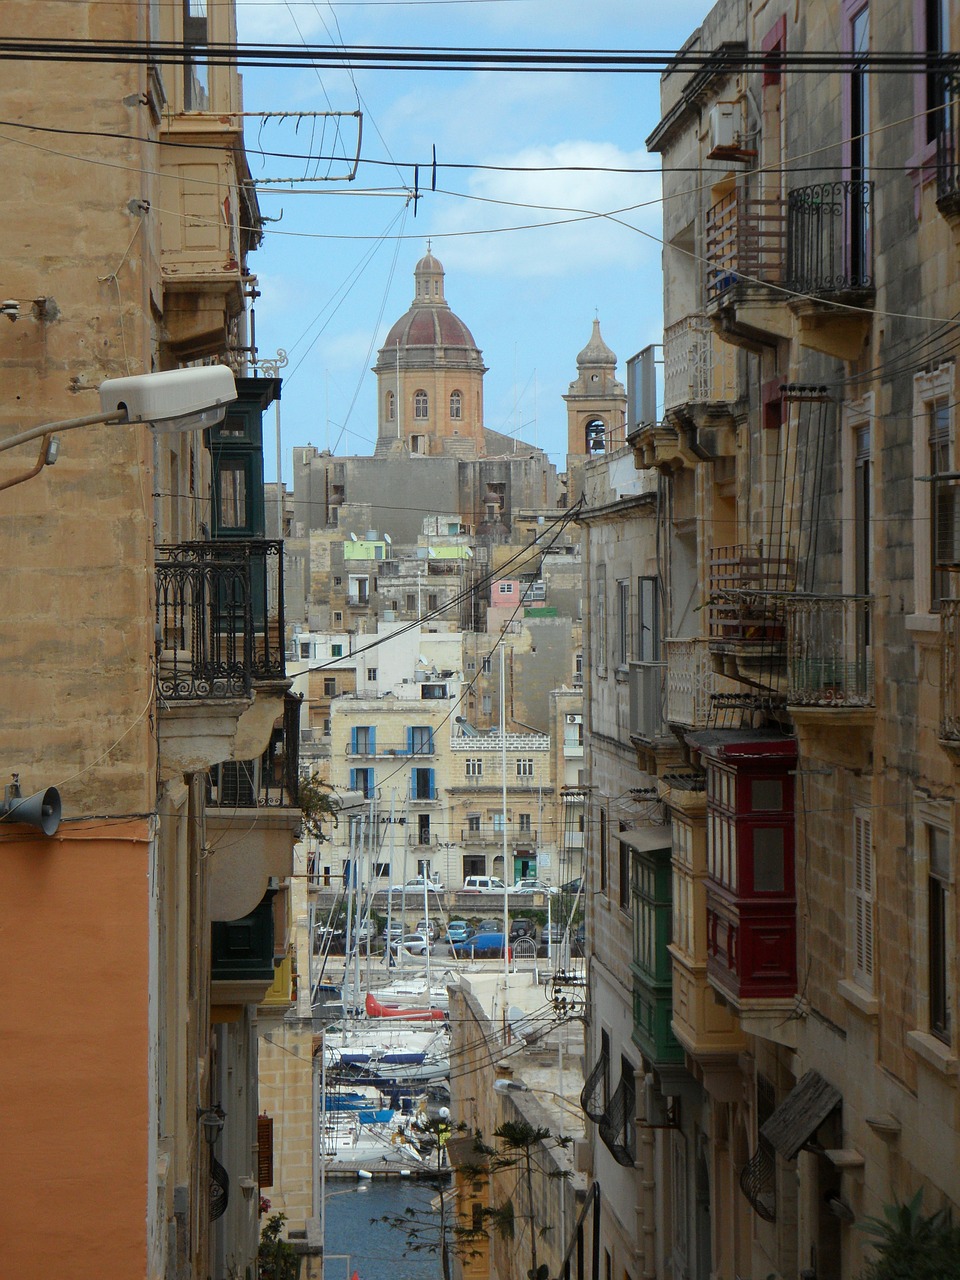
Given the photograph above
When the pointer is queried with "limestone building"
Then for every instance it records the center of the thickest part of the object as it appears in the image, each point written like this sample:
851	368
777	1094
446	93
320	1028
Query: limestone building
152	915
780	658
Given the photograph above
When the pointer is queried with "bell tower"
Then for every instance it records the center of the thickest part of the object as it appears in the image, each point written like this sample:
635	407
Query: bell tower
596	401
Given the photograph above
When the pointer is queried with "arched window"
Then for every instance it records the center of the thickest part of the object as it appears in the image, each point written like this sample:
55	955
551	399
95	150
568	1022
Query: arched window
456	404
595	436
420	405
391	406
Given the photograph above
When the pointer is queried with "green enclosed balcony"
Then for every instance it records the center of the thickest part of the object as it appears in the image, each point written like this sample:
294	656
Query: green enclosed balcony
650	851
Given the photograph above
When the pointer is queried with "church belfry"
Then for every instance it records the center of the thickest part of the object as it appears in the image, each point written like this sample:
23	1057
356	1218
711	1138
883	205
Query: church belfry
596	401
430	376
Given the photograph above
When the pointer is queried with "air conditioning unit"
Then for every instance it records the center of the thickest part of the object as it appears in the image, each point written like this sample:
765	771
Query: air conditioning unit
573	718
723	125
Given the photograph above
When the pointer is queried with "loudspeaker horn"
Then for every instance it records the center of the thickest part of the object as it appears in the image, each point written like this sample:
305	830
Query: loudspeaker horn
41	810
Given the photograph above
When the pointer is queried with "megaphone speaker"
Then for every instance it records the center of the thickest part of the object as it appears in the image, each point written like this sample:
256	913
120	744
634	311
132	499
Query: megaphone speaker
41	810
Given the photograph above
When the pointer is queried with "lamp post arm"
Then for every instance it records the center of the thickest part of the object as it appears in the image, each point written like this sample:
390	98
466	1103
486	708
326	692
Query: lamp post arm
69	424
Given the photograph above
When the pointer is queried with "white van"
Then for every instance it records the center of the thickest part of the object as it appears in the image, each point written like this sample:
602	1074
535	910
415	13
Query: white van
483	884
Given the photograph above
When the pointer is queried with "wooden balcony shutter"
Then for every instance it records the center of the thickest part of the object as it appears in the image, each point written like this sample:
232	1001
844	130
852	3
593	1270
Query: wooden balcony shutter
863	900
265	1151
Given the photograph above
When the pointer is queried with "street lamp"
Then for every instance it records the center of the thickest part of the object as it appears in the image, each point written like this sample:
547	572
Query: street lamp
173	400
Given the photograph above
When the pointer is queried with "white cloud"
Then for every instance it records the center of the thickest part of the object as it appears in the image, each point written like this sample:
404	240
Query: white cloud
580	184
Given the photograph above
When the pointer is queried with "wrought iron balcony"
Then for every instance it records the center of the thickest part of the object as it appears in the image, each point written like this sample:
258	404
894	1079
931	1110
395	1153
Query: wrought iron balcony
829	246
692	682
744	242
829	663
950	671
948	148
488	834
273	781
219	617
698	368
617	1126
747	591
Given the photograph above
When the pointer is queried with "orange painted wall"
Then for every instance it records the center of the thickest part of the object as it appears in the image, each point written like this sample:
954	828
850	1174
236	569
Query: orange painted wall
73	1051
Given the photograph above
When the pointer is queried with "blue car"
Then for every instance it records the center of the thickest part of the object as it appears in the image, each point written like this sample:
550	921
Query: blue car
481	945
458	931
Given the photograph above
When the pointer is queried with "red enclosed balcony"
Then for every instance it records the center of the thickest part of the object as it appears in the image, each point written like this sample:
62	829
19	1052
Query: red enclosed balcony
751	894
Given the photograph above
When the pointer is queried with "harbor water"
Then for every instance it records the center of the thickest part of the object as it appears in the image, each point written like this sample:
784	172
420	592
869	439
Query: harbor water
356	1239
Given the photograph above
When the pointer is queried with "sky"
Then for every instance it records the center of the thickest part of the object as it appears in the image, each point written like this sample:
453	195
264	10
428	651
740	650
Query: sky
530	257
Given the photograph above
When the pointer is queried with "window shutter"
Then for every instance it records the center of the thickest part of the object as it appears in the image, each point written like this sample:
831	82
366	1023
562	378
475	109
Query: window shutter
265	1151
353	741
409	741
863	900
431	793
353	780
372	740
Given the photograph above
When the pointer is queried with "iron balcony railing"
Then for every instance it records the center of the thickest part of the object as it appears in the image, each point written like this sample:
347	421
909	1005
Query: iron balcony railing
948	147
489	834
593	1093
273	780
829	660
698	368
746	595
618	1124
829	245
950	670
219	617
691	682
744	242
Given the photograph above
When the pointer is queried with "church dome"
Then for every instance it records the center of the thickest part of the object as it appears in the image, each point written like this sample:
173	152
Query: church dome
596	352
429	325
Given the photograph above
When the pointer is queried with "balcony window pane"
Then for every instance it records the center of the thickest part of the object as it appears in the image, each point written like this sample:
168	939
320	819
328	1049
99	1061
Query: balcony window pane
768	860
233	493
766	794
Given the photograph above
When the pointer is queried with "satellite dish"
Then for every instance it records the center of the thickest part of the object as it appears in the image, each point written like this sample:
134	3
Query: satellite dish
353	537
431	554
421	658
469	552
388	540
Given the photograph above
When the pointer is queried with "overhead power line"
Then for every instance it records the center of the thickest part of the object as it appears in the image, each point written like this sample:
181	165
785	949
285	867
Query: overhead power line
438	58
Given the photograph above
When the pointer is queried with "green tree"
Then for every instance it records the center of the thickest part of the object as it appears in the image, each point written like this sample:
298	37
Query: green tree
436	1230
520	1152
318	804
911	1245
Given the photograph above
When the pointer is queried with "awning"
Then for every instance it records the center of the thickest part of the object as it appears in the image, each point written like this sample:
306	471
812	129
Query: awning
801	1114
646	839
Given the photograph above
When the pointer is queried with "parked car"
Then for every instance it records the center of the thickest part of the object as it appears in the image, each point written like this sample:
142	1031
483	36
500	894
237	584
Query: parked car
533	884
418	944
572	887
429	928
489	926
417	885
522	928
396	930
458	931
483	884
481	945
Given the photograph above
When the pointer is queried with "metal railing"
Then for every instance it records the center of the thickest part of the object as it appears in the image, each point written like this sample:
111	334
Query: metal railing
744	242
829	245
272	781
747	589
698	368
948	147
377	748
219	617
829	662
488	834
691	682
950	670
618	1127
